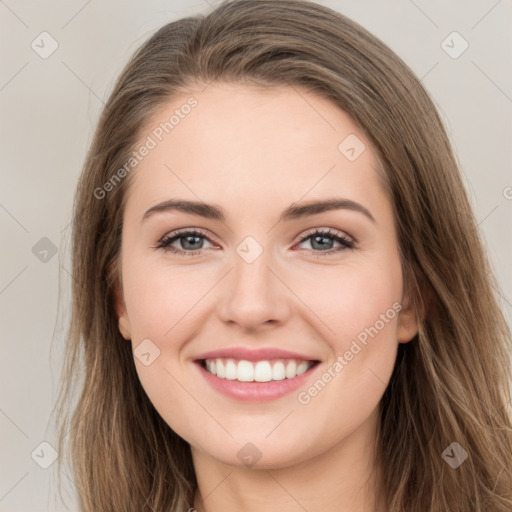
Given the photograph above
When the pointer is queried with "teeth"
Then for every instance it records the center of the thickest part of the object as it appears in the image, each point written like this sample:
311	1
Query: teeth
291	370
278	371
221	369
245	371
302	367
230	370
261	371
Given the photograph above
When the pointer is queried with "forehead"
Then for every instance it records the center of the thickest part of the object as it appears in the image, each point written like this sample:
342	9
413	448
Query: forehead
253	144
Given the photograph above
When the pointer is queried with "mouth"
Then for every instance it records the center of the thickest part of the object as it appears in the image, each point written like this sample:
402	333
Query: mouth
255	380
256	371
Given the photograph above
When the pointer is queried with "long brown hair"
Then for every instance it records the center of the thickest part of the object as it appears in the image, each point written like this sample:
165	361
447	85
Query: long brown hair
450	383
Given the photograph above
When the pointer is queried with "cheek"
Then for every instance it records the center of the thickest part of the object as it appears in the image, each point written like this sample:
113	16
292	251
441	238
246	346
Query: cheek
162	305
160	300
342	300
362	309
347	299
359	306
366	344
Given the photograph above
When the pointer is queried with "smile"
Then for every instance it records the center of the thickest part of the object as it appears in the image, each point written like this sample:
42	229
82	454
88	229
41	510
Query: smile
258	371
256	381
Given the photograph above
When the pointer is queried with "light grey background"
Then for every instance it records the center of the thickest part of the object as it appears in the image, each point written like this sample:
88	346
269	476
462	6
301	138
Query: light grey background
49	108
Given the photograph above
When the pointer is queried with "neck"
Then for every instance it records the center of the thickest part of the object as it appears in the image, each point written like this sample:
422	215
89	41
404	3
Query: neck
346	477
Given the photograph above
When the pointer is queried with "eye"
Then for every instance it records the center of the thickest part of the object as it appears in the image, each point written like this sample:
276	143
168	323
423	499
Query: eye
320	240
190	242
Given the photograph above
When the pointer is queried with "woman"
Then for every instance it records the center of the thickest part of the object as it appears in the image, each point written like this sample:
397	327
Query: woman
232	358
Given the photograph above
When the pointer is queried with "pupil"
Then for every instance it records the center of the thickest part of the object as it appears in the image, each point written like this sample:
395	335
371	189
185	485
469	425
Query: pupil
188	238
323	238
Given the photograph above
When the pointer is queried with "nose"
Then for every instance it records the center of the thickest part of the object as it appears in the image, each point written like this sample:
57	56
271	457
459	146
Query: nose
253	296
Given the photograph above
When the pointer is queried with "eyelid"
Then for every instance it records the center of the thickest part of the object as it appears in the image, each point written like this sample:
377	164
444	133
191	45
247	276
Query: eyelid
327	230
303	235
176	234
345	240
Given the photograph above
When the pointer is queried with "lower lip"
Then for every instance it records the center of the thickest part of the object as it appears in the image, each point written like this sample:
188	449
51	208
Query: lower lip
255	391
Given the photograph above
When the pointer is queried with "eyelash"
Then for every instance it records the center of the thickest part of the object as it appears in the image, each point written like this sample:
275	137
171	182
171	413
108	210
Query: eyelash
165	243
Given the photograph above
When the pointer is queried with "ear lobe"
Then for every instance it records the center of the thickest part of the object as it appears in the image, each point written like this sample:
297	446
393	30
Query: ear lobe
417	299
120	307
407	324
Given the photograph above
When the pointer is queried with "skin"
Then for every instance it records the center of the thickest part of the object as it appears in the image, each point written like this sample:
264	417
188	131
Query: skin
254	152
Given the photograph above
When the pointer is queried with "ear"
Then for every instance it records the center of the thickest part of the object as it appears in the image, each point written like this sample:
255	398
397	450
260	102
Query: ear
407	323
412	311
120	307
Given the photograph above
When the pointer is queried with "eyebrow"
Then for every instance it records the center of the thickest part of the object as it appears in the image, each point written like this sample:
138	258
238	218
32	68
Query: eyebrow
293	212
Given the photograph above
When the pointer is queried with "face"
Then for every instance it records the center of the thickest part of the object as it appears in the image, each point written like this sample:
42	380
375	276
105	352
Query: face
264	328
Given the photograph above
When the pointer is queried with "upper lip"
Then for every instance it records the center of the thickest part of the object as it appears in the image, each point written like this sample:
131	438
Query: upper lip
247	354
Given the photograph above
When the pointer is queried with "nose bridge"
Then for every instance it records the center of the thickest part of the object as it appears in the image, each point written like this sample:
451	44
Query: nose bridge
252	294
